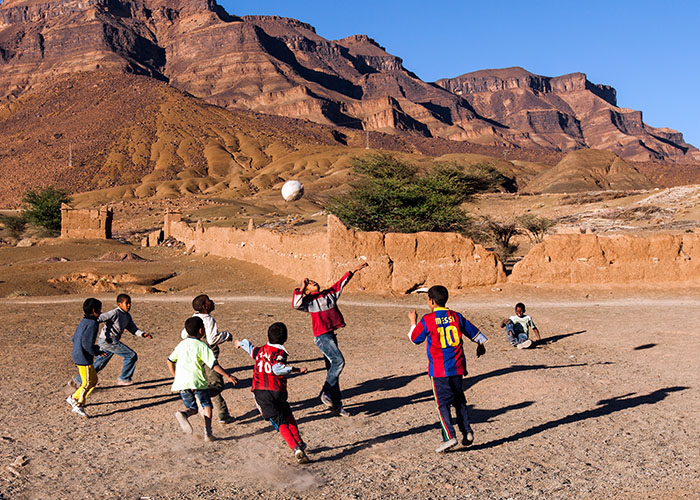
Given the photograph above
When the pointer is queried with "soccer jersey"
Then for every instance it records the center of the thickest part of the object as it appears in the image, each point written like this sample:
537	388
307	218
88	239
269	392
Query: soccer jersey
323	306
264	377
443	329
522	325
189	356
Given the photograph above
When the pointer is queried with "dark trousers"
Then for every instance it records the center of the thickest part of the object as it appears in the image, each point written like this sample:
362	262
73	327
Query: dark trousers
216	385
448	392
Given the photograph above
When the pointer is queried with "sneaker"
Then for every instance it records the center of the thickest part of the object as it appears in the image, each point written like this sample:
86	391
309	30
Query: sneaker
301	457
124	382
209	437
184	423
227	420
468	439
301	445
341	411
79	410
73	384
326	400
524	345
446	445
71	401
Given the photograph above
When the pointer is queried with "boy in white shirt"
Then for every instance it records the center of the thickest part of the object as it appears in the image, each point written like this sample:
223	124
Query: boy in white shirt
518	328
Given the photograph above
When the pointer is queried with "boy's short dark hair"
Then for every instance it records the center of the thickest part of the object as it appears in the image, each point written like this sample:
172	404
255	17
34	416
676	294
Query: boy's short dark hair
193	326
439	294
91	305
520	305
122	297
199	301
277	333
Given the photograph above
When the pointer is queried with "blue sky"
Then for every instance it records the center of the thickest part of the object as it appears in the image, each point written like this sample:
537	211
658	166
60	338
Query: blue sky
649	50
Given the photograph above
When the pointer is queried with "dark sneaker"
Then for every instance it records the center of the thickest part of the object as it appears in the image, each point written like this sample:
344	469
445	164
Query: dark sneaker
446	445
326	400
302	445
301	457
341	411
227	420
184	423
468	439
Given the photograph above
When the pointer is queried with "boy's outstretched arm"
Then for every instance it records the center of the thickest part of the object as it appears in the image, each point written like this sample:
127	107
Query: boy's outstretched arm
217	368
360	267
417	334
245	345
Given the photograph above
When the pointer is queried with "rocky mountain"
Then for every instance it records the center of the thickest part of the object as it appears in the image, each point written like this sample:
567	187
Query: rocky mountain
281	66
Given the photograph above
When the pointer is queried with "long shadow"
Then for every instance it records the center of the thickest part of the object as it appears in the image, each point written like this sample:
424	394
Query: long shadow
606	407
475	416
644	346
470	381
557	338
169	398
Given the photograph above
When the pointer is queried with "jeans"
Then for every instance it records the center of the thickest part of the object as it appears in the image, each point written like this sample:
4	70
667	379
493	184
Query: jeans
328	344
514	338
119	349
188	397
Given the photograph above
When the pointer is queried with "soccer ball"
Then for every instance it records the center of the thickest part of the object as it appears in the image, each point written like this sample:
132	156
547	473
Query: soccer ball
292	190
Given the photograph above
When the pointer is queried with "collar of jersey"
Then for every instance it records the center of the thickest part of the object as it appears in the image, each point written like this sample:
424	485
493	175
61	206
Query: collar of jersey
440	309
278	346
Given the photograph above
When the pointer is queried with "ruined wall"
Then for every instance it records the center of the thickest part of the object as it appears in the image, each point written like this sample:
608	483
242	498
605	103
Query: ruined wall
398	262
88	223
593	259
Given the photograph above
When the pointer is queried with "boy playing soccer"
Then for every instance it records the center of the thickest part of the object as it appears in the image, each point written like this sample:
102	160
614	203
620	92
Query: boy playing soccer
270	370
115	322
213	337
186	364
443	329
325	320
518	328
84	352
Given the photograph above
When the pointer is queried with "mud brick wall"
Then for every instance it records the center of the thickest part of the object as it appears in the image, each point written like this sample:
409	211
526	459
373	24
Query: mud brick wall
87	223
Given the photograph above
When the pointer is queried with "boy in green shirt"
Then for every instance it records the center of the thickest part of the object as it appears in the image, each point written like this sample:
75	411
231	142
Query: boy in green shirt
186	363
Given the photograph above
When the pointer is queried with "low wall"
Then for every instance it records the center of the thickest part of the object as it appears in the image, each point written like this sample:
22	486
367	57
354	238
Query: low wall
593	259
86	223
398	262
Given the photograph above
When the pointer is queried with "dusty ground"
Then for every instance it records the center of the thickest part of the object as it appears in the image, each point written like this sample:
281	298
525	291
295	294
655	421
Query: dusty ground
605	407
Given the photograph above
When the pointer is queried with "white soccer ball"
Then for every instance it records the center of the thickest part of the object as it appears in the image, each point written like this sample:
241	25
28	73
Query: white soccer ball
292	190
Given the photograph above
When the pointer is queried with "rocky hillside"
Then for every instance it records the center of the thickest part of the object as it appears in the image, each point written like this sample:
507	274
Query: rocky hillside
283	67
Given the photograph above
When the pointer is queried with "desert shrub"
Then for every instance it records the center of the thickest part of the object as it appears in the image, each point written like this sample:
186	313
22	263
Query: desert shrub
14	224
43	207
585	198
502	234
535	227
395	196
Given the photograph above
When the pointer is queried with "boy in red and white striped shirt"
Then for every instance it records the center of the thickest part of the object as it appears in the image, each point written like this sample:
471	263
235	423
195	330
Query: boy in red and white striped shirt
325	320
270	370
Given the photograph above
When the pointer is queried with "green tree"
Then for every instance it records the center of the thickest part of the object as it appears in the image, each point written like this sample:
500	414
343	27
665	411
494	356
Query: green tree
502	234
536	227
14	225
394	196
43	207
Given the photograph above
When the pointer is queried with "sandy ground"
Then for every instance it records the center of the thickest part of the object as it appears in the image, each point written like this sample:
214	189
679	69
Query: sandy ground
605	407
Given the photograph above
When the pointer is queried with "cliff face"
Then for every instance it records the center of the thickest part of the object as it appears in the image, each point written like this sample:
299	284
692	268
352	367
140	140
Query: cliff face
567	112
282	66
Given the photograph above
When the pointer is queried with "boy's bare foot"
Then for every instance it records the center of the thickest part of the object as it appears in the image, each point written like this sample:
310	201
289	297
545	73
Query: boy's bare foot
72	383
124	382
184	423
209	437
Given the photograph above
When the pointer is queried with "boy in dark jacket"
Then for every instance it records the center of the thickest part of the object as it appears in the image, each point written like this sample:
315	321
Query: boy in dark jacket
325	320
84	352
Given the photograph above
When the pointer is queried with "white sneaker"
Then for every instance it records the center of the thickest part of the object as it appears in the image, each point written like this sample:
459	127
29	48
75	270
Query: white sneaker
184	423
446	445
301	457
524	345
71	401
79	410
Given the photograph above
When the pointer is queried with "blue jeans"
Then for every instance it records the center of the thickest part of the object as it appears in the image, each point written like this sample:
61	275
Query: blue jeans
188	397
119	349
328	344
514	338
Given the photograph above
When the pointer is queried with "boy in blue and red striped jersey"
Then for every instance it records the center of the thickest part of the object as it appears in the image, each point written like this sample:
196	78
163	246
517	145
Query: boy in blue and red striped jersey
325	320
270	370
443	329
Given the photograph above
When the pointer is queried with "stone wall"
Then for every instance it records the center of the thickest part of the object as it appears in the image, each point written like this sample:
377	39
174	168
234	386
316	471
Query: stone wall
593	259
87	223
398	262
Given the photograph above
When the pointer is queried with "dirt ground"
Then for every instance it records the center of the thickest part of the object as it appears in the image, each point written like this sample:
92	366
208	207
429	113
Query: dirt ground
605	407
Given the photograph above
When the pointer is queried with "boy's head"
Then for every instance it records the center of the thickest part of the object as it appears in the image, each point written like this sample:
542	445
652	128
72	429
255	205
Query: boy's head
519	309
277	333
92	308
194	327
124	302
310	286
438	295
203	304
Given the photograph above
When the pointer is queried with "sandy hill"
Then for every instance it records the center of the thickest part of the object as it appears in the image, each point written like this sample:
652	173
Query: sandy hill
281	66
589	170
